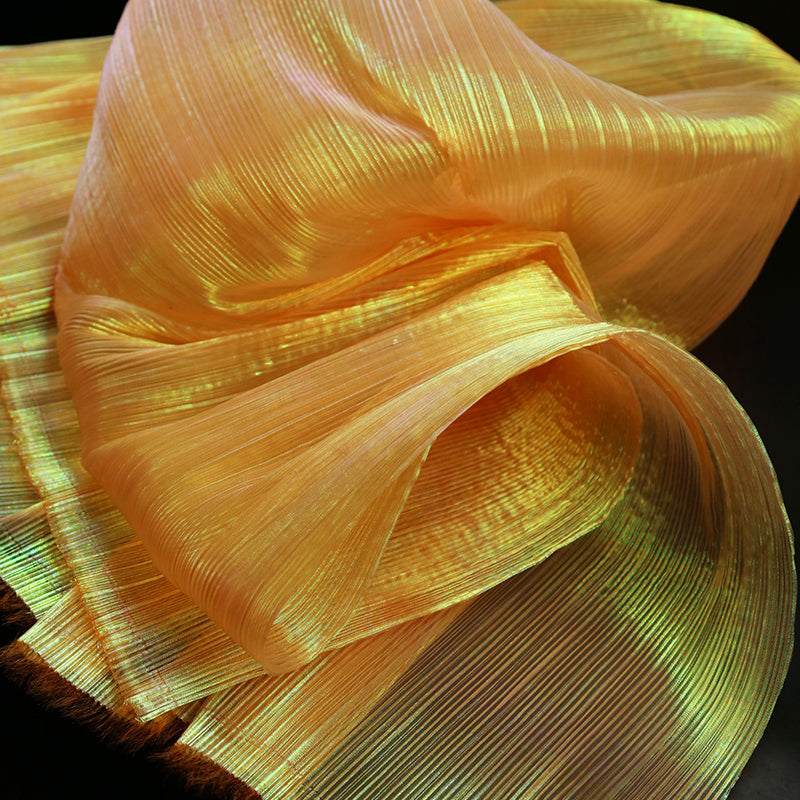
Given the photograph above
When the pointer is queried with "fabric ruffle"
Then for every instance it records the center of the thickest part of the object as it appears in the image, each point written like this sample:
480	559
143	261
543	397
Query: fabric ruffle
359	452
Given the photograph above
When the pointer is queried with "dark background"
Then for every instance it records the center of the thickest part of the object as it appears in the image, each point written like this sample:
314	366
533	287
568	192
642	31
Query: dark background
754	352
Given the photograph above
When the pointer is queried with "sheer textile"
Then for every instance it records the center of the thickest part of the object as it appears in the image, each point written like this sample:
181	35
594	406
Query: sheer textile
351	444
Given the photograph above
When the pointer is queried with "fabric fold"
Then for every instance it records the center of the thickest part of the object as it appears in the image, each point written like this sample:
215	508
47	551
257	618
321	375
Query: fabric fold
376	409
350	442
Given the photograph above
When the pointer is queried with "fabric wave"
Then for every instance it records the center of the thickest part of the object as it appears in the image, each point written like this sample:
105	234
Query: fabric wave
366	456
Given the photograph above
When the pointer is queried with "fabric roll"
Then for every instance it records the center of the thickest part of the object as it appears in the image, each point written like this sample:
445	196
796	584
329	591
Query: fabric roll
351	442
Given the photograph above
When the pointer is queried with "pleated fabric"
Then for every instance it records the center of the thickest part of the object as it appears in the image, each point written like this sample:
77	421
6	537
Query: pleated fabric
358	451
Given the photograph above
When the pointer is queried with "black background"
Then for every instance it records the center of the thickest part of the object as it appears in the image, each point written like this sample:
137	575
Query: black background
754	352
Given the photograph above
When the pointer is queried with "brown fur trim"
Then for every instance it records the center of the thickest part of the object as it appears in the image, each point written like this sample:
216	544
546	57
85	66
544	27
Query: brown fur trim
156	739
201	772
33	675
15	616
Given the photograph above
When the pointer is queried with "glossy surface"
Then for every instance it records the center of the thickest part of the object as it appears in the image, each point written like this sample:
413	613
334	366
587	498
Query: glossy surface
397	436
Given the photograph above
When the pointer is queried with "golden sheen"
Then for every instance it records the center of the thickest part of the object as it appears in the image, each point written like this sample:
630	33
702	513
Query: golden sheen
358	451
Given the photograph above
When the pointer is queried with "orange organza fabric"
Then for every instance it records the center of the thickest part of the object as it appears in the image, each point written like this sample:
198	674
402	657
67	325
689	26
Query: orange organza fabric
368	445
349	233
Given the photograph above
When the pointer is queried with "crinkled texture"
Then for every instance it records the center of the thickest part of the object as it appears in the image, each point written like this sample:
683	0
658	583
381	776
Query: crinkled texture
392	460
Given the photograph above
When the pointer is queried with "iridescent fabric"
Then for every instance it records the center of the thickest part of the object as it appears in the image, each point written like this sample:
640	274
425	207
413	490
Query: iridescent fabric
358	451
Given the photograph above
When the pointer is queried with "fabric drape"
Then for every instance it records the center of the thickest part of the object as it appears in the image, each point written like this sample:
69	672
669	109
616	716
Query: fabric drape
351	444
